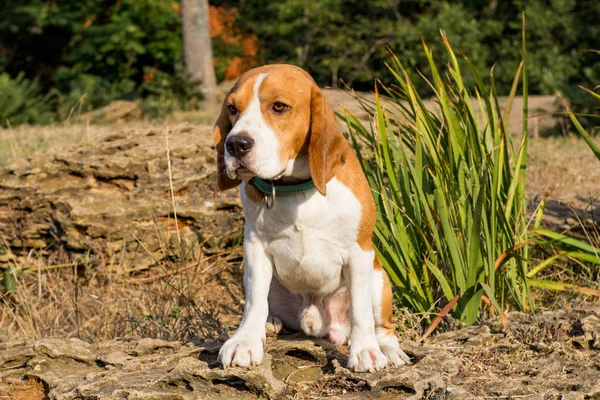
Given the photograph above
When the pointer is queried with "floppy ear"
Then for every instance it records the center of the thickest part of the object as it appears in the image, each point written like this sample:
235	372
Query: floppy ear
327	147
222	128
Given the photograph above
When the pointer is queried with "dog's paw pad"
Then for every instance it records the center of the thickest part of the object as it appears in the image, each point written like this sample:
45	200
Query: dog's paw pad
369	359
241	353
395	356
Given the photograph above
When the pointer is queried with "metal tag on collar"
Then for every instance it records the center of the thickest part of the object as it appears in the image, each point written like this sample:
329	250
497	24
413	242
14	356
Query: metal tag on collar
270	204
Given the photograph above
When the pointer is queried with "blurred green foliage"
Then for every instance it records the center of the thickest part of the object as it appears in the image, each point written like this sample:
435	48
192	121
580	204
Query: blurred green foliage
91	52
21	101
348	38
104	48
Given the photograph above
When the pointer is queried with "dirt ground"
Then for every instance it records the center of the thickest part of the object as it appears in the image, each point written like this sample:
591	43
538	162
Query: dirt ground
139	283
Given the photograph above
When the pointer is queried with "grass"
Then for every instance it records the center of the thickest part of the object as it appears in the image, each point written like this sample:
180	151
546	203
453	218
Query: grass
18	143
581	131
453	230
23	141
581	253
73	299
450	200
97	297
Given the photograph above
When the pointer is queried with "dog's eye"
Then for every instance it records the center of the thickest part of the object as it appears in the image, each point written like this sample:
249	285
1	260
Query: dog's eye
232	109
280	107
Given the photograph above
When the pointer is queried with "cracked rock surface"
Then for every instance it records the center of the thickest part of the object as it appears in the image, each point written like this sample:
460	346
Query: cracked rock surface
553	355
102	195
102	199
156	369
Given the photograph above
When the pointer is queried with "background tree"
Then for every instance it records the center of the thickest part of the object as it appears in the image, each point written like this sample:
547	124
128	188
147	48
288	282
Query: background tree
197	47
91	52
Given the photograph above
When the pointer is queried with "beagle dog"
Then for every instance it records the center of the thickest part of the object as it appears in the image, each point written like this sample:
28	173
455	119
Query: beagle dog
309	263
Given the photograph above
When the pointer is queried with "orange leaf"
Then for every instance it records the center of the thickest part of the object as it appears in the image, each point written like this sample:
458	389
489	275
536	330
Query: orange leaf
436	321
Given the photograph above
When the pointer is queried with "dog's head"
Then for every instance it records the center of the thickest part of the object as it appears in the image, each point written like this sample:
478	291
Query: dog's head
276	122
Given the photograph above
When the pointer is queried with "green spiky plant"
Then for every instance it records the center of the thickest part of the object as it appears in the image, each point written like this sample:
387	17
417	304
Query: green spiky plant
562	246
579	128
450	188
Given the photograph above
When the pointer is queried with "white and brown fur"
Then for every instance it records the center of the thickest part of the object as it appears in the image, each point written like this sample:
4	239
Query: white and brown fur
309	262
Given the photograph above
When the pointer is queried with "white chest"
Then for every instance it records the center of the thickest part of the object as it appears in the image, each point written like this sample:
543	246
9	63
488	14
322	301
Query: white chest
307	236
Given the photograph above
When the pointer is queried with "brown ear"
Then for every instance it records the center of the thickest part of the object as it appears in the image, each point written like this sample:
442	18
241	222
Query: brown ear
327	147
222	128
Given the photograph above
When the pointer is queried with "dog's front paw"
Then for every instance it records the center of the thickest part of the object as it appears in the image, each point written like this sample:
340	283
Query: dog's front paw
394	355
366	359
241	352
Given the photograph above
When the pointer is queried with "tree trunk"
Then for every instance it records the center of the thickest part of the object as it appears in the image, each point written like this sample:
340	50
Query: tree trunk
197	48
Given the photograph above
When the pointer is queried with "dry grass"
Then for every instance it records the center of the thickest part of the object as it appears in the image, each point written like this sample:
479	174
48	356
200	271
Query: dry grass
27	140
570	168
23	141
179	299
566	164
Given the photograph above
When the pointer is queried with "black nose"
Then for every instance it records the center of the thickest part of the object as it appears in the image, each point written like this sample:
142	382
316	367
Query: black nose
239	145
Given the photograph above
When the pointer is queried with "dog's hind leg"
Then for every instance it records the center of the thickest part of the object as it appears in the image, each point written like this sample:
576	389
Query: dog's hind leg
284	307
383	315
273	325
338	310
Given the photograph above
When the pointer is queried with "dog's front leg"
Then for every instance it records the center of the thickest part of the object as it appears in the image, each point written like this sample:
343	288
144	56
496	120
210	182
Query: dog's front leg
245	347
365	354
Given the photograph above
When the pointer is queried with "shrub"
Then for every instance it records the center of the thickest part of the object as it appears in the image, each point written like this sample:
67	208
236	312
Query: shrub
21	101
449	185
85	92
88	53
163	93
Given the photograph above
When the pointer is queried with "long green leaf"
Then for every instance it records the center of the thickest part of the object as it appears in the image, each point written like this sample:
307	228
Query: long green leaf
582	132
563	286
568	241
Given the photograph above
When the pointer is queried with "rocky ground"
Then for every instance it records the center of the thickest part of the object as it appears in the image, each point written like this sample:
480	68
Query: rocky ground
106	209
549	356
